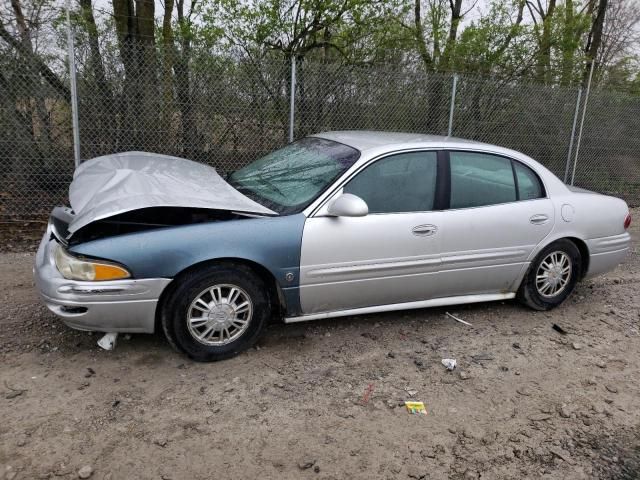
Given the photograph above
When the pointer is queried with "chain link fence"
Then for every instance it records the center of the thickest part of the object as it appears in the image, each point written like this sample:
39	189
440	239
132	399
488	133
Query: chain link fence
227	112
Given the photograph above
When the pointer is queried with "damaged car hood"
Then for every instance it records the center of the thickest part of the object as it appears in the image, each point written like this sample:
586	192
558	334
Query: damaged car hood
122	182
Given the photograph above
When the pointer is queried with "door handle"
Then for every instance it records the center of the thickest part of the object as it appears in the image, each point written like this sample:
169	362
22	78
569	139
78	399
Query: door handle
424	230
539	219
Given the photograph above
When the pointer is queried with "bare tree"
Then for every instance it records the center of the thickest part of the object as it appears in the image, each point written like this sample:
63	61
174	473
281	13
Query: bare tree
621	35
542	17
594	38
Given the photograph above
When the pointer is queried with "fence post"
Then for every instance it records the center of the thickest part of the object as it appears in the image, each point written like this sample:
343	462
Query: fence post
584	111
453	103
292	103
75	125
573	132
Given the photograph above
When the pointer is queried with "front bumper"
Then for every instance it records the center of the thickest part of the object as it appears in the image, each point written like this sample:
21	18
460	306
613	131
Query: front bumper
108	306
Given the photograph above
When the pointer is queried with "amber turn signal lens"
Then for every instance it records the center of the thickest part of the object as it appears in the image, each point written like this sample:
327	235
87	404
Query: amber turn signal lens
109	272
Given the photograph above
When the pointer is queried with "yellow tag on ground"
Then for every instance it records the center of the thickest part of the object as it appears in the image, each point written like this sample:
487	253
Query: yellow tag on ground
416	407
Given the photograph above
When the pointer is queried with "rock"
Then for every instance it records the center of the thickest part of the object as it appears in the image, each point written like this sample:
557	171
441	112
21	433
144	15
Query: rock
587	421
576	346
417	473
391	355
9	473
523	391
562	454
473	433
601	364
464	375
306	463
611	388
470	475
564	411
22	441
316	469
369	335
540	417
85	472
161	442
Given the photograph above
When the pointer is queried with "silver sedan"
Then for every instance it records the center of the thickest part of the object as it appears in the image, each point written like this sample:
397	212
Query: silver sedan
335	224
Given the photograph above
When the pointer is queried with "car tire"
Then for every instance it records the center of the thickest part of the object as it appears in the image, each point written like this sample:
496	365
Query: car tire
547	283
216	312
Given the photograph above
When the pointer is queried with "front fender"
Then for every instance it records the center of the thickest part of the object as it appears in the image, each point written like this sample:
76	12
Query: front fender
273	242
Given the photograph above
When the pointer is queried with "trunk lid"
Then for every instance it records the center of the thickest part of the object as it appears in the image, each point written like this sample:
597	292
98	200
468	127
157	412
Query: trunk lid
113	184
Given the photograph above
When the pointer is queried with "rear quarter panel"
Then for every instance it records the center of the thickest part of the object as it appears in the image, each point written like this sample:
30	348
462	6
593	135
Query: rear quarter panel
597	220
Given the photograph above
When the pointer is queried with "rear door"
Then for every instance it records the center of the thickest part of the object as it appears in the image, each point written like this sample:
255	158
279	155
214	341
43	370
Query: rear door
498	213
390	255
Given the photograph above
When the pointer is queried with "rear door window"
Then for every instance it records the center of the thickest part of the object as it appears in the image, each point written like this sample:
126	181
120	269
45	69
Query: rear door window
479	179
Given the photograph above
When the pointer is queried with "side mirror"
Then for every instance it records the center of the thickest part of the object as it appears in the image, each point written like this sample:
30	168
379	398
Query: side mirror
348	205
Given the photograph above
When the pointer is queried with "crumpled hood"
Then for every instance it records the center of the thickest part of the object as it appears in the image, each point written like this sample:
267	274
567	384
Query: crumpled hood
122	182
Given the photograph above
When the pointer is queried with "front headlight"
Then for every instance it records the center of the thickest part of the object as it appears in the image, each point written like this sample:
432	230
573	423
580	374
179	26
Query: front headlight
73	268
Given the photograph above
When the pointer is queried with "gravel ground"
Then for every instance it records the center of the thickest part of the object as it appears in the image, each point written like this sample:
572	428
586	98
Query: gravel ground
324	400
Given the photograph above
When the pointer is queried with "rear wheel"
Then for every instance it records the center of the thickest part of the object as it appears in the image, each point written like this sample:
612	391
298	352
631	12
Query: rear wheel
216	312
552	276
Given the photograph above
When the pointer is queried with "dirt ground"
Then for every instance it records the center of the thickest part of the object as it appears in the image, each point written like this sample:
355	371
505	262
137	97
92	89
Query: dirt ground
324	400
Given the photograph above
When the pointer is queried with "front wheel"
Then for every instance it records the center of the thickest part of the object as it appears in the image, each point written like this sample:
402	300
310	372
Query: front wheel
216	312
552	276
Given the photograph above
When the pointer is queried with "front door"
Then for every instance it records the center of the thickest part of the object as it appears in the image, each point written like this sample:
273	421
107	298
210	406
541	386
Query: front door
388	256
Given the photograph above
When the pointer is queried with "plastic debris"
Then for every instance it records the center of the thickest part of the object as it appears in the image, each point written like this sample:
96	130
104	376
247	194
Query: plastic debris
416	408
559	329
457	319
450	363
108	341
410	392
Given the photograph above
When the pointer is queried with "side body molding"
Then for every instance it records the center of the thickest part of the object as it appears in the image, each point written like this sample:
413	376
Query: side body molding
273	242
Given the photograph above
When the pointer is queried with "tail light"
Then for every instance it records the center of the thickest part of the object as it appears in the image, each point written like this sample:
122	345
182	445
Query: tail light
627	221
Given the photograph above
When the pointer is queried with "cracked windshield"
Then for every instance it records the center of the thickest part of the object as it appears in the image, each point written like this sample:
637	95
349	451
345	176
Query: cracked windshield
289	179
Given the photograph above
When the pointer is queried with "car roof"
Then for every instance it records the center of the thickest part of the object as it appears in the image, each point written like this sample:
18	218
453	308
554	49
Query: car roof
367	139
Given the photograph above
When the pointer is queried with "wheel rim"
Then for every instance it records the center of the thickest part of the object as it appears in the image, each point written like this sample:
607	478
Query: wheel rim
553	274
219	314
